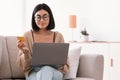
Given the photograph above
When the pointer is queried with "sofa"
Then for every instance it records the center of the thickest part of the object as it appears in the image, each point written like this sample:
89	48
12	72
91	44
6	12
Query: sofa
91	67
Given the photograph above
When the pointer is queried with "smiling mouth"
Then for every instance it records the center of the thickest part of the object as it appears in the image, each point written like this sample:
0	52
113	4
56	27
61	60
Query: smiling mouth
41	23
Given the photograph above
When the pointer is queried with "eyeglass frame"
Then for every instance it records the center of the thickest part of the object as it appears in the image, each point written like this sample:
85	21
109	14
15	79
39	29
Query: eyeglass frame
45	17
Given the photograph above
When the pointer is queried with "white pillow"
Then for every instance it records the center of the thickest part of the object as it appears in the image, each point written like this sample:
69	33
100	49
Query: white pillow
74	56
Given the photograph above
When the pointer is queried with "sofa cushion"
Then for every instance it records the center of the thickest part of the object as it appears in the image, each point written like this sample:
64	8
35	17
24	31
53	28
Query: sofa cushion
74	55
5	71
0	48
91	65
81	78
12	79
13	52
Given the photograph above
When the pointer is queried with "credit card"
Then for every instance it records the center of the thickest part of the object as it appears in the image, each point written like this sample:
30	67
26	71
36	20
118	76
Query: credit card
22	39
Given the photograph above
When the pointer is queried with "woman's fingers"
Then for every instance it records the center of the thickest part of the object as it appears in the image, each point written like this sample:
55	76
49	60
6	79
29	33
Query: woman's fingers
20	45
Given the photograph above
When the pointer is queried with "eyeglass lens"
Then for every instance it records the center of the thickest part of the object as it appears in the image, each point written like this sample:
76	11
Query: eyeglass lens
44	17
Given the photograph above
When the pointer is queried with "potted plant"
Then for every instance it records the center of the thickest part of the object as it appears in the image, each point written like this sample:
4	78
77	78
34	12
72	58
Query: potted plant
85	34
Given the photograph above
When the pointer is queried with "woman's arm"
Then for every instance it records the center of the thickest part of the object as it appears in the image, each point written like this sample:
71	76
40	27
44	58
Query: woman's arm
24	55
60	39
23	60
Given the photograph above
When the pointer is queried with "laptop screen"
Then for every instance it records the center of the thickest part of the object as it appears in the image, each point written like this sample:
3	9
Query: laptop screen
50	53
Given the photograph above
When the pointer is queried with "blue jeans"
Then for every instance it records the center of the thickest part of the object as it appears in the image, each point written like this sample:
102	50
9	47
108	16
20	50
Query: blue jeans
45	73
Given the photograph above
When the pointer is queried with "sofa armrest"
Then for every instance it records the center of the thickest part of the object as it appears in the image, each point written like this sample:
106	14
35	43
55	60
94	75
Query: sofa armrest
91	66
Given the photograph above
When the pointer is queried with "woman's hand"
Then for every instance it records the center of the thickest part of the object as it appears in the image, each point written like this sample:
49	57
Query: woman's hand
66	67
63	69
22	46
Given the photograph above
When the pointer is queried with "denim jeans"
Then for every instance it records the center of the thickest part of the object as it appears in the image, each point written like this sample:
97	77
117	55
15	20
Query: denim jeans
45	73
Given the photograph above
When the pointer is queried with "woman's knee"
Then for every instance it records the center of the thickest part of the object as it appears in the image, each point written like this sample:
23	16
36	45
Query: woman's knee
48	68
45	70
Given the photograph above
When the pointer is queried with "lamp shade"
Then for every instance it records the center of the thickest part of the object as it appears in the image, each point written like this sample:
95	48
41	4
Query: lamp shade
72	21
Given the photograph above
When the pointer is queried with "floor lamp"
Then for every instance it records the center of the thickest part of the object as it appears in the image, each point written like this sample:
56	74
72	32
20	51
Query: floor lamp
72	25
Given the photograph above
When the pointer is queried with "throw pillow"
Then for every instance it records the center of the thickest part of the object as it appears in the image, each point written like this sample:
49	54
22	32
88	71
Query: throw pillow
74	56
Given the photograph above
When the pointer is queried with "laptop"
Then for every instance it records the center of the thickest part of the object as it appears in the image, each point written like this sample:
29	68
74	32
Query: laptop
52	54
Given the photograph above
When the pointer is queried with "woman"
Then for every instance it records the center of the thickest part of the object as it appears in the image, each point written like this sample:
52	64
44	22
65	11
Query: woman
42	24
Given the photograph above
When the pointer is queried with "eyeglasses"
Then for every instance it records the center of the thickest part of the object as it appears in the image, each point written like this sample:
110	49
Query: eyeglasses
45	17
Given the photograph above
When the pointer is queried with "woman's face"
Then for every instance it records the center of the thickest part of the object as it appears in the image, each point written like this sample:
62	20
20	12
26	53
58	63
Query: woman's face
42	19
